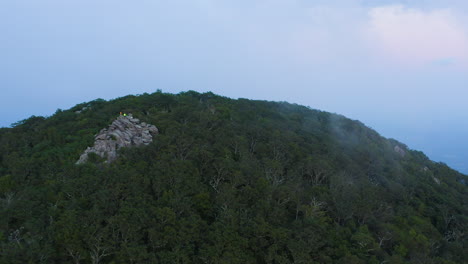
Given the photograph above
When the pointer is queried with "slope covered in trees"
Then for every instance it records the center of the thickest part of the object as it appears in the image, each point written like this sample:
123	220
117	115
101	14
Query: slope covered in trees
225	181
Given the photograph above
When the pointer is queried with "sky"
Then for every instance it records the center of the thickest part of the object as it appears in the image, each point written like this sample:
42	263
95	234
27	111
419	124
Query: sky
400	67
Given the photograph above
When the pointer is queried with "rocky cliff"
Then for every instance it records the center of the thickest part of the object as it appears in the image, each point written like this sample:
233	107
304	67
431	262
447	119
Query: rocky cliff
125	131
400	151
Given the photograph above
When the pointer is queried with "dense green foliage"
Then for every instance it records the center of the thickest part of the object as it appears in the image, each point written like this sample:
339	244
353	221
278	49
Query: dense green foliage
226	181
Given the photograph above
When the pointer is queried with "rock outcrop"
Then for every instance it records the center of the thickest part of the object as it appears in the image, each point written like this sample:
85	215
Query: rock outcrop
125	131
400	151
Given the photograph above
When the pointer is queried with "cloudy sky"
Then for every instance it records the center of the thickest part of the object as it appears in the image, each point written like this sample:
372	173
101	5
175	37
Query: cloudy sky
401	67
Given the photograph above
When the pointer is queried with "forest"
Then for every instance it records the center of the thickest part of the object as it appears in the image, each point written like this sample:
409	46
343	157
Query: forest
224	181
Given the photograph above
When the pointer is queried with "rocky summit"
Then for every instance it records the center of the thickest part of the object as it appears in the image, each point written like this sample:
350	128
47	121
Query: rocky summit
125	131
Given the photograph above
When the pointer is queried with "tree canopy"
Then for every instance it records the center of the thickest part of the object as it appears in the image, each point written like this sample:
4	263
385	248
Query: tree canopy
225	181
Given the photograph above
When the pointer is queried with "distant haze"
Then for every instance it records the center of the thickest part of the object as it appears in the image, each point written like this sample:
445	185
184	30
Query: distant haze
400	67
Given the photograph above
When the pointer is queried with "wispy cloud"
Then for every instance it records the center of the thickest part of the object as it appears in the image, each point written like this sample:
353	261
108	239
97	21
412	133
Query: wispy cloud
413	36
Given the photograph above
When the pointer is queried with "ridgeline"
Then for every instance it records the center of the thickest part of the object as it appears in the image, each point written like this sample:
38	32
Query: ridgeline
224	181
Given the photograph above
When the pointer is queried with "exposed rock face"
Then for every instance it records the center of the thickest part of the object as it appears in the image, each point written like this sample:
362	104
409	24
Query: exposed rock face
125	131
83	109
400	151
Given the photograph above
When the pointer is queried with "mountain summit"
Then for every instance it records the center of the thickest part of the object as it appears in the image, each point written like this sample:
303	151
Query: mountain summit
224	181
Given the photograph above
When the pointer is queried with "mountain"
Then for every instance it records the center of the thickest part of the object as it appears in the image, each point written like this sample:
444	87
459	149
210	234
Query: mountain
223	181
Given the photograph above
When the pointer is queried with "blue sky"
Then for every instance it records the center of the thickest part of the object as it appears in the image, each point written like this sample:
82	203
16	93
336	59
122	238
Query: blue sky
401	67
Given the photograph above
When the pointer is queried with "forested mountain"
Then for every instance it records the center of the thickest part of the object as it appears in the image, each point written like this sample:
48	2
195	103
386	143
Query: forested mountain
224	181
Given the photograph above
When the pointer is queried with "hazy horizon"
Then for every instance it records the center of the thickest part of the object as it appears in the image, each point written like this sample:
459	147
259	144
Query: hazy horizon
400	67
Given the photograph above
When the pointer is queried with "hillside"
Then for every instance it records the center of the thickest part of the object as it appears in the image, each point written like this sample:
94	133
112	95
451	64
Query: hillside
224	181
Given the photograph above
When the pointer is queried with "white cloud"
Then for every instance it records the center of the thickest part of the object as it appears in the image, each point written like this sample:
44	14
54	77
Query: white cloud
418	37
